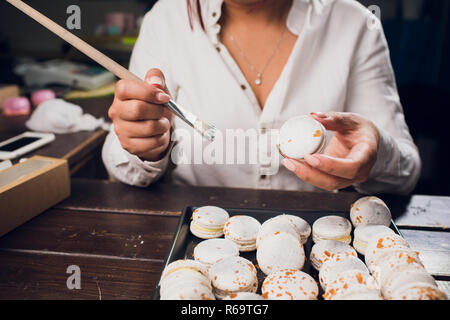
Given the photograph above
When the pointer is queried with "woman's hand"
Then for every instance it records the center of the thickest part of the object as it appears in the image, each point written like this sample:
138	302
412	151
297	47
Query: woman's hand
141	123
347	159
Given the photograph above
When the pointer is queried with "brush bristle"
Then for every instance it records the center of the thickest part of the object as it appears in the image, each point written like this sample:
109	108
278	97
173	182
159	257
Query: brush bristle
206	130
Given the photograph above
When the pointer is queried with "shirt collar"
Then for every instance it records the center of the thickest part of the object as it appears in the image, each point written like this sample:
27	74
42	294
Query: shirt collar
212	10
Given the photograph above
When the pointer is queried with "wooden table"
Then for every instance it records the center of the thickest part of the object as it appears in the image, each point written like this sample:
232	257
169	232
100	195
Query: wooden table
77	148
119	236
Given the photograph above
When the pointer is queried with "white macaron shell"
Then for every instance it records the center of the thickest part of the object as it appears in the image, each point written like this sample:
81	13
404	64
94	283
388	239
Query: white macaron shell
300	136
400	280
244	296
419	291
290	284
210	216
362	295
174	278
349	283
280	251
185	264
370	210
326	249
303	228
382	244
233	274
188	290
275	226
395	262
363	233
331	228
204	232
242	229
332	268
212	250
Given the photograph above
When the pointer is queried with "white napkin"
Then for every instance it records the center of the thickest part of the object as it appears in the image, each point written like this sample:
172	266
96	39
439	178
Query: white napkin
59	116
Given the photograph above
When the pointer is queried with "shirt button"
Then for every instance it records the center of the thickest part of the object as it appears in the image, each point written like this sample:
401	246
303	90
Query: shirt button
218	49
263	176
214	14
243	87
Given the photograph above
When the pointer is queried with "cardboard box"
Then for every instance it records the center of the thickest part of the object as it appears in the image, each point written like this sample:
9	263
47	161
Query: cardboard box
8	91
31	187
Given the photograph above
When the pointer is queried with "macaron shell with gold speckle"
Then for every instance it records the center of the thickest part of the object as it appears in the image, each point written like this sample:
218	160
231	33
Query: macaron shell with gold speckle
332	268
290	284
208	221
326	249
280	251
242	230
300	136
233	274
212	250
370	210
332	227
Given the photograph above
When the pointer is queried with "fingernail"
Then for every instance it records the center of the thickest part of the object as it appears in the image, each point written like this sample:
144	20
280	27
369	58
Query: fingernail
319	114
156	81
312	161
162	96
289	164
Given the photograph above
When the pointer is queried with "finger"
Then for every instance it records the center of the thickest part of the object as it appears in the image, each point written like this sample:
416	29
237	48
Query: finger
156	78
134	110
351	167
315	177
140	90
142	129
142	146
337	121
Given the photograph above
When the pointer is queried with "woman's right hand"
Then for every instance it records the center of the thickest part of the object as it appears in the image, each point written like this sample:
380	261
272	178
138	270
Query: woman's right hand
141	122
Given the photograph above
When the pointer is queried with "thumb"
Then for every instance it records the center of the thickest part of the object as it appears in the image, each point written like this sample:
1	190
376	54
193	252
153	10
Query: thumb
156	78
337	121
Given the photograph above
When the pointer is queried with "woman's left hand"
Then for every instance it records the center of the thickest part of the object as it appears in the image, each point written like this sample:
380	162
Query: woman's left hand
348	158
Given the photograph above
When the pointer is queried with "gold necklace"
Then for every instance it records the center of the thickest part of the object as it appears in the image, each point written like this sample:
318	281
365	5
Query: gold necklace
259	74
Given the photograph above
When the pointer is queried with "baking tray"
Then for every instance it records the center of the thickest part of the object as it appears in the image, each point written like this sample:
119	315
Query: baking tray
184	241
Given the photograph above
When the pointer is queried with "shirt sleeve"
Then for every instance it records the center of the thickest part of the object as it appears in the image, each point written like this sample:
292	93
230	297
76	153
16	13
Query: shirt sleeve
128	168
372	93
147	54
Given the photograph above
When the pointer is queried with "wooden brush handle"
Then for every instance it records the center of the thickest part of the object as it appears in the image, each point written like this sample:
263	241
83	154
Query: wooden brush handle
97	56
81	45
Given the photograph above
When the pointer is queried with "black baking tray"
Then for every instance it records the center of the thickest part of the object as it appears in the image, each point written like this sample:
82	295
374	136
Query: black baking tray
184	241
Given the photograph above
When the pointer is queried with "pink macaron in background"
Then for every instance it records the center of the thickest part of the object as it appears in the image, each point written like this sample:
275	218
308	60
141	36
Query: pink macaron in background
40	96
16	106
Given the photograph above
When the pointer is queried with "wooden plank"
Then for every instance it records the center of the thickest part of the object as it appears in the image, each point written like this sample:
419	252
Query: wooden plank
34	275
433	248
421	211
106	234
168	199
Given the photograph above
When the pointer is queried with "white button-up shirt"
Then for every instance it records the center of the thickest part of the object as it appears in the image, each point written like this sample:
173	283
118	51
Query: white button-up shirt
340	62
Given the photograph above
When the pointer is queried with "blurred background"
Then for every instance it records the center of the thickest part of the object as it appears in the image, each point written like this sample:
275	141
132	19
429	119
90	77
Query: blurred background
417	32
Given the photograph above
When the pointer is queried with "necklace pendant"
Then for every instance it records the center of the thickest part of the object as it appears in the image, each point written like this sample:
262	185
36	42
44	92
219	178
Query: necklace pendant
258	80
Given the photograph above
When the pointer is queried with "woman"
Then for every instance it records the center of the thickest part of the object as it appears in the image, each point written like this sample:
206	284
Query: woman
251	65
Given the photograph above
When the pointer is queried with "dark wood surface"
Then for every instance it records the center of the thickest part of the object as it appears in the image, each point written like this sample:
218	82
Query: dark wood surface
75	147
119	236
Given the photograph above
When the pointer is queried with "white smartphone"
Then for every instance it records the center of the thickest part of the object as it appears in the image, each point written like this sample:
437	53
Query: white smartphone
24	143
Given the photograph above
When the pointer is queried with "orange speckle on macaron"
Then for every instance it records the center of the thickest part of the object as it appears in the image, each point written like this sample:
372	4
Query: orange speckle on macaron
317	134
359	277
